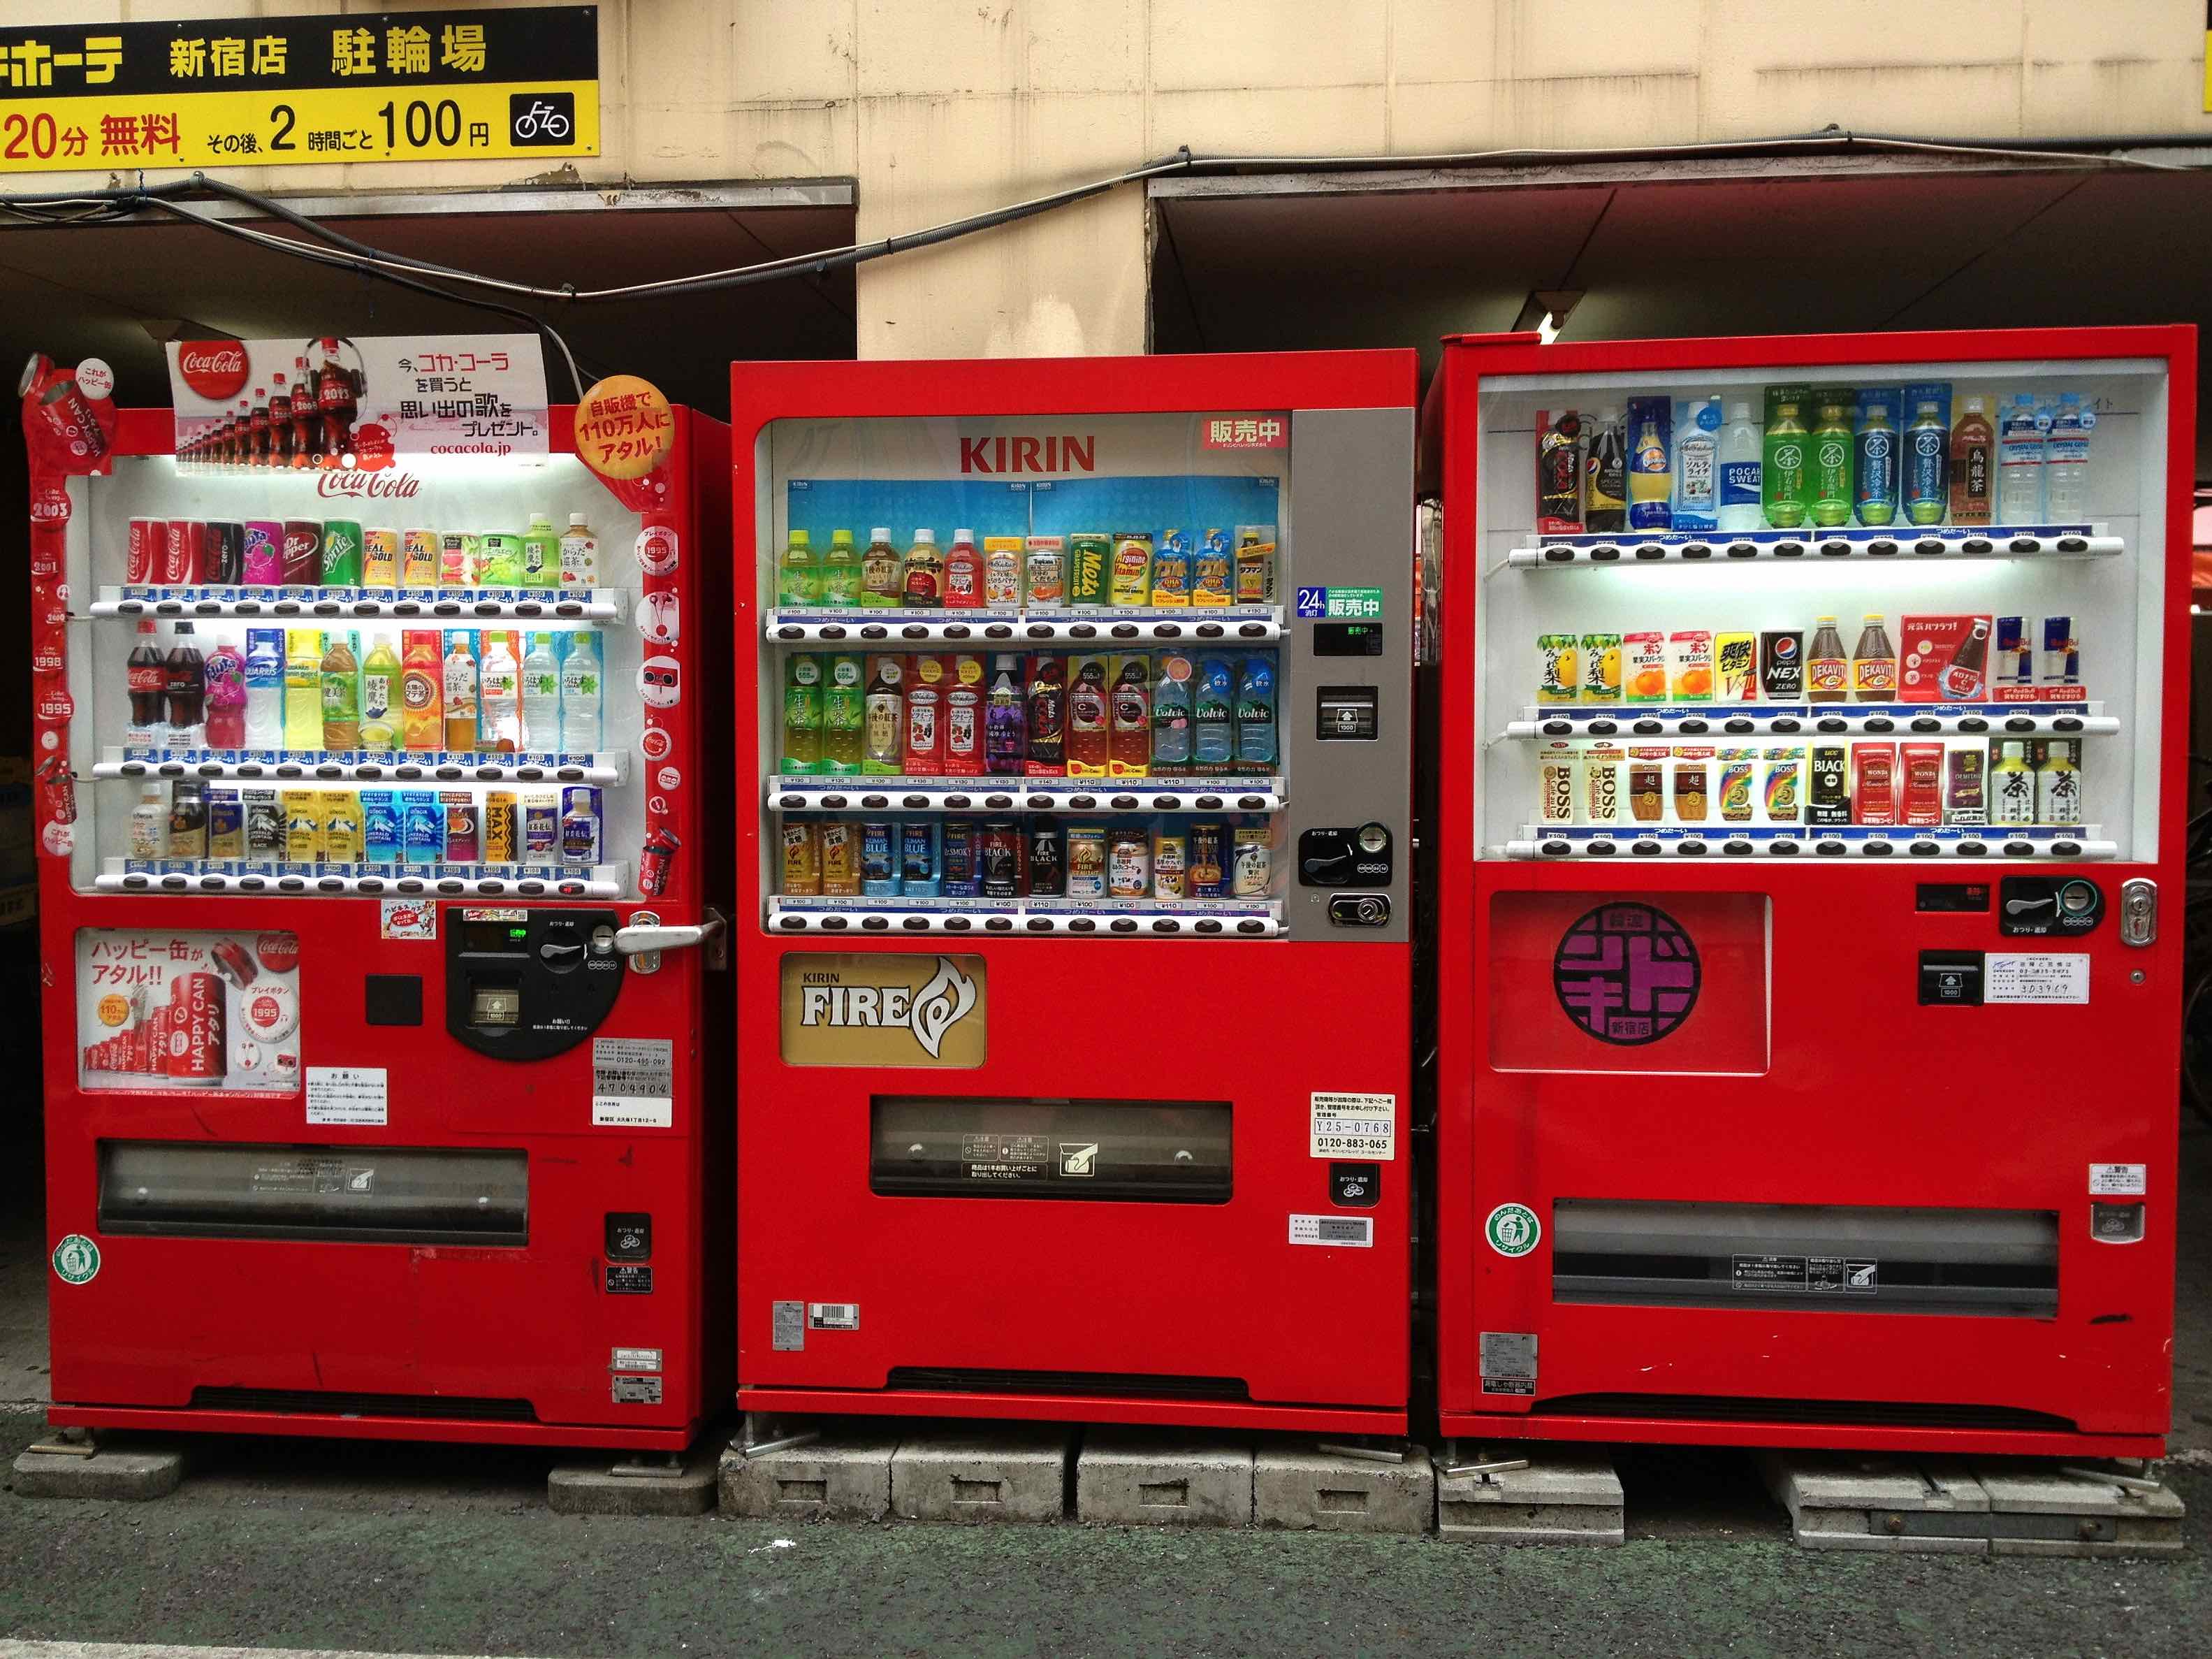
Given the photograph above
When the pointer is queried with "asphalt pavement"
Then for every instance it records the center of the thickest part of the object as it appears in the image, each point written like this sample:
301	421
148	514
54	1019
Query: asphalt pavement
316	1545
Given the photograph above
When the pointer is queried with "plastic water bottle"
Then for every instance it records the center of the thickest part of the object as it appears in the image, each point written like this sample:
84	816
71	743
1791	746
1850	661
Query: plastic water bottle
540	697
1740	500
580	724
2066	459
2020	461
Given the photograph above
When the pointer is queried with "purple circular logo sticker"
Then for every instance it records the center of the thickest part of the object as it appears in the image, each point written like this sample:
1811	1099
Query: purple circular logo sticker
1626	973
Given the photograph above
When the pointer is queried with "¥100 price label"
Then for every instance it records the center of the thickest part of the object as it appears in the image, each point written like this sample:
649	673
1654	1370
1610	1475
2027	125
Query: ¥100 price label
1354	1126
269	91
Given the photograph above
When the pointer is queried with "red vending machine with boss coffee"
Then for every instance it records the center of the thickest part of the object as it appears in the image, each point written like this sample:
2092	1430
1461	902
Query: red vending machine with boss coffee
368	844
1813	790
1074	968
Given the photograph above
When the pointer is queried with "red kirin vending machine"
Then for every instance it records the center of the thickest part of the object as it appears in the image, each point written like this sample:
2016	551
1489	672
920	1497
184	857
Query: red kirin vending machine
1072	934
1812	786
369	844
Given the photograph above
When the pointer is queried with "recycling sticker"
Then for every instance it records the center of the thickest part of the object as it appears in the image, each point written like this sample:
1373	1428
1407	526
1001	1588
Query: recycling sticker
1513	1230
76	1260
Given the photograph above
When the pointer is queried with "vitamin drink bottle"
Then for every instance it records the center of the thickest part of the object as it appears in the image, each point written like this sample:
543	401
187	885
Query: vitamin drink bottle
1171	720
882	733
1970	442
798	577
582	696
1785	474
341	695
1960	679
1832	468
1927	465
1874	471
1827	670
1873	663
1255	712
879	570
802	714
844	716
922	578
185	694
500	695
541	695
1213	713
225	673
146	678
541	552
460	693
379	696
2019	462
2066	460
1605	477
265	688
1129	738
841	572
1088	736
303	689
964	573
1005	718
422	700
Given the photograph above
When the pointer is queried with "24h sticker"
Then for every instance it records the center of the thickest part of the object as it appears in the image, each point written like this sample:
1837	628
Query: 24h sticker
1513	1230
76	1260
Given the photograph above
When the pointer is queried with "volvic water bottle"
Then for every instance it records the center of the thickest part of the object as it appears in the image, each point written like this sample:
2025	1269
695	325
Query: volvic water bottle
2066	460
2020	461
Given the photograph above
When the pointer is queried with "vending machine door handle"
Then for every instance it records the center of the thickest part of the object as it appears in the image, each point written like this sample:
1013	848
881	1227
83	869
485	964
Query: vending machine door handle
647	935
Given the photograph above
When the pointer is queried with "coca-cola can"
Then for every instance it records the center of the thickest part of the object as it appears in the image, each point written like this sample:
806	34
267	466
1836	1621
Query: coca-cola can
196	552
654	863
151	1054
195	1028
225	551
142	551
64	409
60	787
176	552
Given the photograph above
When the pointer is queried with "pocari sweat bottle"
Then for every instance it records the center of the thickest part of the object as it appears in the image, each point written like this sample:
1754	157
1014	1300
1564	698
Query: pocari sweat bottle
1741	508
2066	460
2020	461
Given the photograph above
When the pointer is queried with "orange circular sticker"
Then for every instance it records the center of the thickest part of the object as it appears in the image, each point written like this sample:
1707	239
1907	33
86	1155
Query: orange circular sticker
114	1010
624	427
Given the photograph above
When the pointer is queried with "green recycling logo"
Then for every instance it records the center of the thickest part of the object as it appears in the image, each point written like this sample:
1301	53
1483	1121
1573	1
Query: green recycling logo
1513	1230
76	1260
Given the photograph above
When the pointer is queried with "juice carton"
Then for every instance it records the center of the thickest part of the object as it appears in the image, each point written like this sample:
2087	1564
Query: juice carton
1644	667
1690	665
1601	667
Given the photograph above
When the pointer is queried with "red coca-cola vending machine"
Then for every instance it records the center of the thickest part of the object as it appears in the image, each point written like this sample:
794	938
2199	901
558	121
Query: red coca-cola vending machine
1074	971
370	878
1813	771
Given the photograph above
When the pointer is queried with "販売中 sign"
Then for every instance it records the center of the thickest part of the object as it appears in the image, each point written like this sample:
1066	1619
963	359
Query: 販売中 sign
418	86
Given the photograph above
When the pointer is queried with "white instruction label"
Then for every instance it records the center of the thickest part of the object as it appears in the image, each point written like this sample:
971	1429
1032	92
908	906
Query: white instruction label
346	1094
2119	1179
1354	1231
1355	1126
633	1112
2042	977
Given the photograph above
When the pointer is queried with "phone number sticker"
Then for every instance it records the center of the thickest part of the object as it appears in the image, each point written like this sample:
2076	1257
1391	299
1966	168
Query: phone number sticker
1355	1126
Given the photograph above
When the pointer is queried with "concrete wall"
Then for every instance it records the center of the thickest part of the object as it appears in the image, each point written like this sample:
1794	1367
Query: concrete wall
940	108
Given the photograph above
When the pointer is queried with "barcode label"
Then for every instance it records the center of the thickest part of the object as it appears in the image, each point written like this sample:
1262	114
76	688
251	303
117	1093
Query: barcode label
833	1315
634	1067
1353	1232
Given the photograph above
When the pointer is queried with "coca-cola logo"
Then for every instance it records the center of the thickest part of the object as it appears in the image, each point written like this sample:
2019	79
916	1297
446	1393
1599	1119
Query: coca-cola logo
50	505
215	370
376	485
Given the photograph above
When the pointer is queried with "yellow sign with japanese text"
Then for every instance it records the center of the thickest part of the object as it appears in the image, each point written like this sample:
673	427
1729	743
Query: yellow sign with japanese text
624	427
428	86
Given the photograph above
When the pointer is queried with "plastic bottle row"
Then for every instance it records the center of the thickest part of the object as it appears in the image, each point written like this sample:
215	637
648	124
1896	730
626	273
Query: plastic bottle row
1129	567
1048	715
342	553
309	690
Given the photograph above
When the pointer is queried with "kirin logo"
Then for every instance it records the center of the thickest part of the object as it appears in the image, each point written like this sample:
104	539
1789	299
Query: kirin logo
1064	454
929	1013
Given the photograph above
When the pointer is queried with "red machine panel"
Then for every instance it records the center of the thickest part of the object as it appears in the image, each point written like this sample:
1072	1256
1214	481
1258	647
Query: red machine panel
1073	989
367	1114
1810	786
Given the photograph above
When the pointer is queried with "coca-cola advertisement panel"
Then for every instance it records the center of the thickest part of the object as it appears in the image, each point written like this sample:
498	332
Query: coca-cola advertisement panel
158	1009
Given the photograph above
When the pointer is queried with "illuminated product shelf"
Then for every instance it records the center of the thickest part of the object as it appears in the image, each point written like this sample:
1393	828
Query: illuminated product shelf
1233	918
600	604
1108	625
352	880
405	766
2024	720
2069	843
1900	541
791	793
